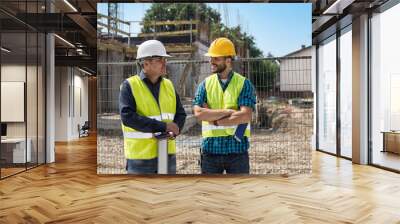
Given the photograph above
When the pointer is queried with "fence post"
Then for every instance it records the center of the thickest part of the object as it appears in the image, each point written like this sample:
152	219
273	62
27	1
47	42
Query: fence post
162	156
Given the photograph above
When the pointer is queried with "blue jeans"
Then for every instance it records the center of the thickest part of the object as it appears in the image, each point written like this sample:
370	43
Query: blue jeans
149	166
231	163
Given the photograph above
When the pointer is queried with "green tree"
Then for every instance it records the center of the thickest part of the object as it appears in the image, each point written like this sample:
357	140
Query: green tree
179	11
239	38
264	74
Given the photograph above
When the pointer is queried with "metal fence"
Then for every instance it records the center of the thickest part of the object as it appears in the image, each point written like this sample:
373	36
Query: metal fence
281	127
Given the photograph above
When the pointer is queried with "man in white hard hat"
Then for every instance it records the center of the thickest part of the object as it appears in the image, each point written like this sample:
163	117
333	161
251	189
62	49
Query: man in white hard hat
149	104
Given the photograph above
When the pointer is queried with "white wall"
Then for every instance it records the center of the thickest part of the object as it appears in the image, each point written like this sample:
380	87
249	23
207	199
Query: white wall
71	87
33	126
17	73
14	73
61	103
79	117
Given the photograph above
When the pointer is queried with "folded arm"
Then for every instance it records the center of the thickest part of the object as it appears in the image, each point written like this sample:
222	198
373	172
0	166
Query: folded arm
238	117
206	114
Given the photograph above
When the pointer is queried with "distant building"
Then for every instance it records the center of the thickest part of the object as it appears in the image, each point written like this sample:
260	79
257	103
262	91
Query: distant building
295	74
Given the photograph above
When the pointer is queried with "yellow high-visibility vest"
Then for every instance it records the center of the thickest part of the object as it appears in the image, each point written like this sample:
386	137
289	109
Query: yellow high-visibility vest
219	99
140	145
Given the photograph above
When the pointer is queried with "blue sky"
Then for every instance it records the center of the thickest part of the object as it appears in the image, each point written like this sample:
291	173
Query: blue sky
277	28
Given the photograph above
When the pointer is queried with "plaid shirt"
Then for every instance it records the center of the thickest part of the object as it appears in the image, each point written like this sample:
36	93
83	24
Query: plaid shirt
228	144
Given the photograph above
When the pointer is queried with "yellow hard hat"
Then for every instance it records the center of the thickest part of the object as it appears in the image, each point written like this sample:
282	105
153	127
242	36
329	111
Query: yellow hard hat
221	47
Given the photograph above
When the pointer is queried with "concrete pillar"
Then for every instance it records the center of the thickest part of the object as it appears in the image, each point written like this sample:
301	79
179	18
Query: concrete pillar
50	93
314	90
360	90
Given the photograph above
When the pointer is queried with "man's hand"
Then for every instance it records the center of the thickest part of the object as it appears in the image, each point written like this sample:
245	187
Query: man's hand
172	127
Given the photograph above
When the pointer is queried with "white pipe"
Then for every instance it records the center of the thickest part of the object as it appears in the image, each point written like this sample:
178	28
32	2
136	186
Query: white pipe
338	6
5	50
71	6
64	40
86	72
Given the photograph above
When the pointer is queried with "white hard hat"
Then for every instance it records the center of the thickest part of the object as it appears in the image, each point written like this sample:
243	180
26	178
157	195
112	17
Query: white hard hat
151	48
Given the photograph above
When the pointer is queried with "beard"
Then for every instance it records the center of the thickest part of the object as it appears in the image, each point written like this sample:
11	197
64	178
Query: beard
220	68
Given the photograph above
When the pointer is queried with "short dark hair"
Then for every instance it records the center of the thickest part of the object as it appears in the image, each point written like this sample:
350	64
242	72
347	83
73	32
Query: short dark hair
231	57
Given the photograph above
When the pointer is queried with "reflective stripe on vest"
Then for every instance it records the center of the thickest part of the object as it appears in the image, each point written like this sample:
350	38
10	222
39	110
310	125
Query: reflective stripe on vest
142	135
139	145
210	127
219	99
163	116
138	135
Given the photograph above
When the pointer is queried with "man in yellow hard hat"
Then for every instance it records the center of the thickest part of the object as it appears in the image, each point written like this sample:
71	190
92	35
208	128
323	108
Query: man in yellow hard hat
224	100
149	104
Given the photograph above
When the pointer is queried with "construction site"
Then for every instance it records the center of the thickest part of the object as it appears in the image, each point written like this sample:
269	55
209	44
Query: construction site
282	124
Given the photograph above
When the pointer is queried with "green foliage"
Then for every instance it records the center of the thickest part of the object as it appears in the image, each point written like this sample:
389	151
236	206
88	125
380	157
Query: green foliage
264	74
179	11
205	14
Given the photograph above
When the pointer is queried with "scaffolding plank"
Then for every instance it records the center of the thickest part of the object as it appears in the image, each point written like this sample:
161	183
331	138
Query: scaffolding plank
171	33
120	47
111	28
174	22
112	18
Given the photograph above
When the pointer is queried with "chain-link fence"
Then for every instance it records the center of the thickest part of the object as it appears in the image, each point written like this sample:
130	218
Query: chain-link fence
282	123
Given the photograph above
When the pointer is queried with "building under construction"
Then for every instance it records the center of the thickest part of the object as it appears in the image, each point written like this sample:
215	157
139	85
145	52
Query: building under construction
185	40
